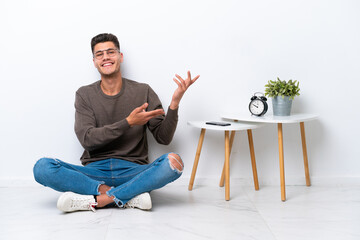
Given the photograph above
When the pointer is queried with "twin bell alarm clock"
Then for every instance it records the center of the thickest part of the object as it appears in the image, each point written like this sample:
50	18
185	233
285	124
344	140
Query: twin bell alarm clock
258	105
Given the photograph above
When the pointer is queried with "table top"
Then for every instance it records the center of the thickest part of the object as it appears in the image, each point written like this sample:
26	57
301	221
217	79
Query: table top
235	126
269	118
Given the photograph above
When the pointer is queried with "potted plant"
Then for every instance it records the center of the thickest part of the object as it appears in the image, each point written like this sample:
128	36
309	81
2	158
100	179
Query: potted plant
282	93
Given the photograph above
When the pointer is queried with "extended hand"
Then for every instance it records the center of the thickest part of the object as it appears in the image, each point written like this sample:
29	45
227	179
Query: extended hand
183	85
140	117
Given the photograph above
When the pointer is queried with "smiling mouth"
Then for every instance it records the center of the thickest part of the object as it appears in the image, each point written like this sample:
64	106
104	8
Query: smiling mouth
107	64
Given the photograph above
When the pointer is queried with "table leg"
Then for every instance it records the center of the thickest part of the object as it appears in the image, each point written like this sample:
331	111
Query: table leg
197	156
253	162
281	162
227	166
306	164
222	179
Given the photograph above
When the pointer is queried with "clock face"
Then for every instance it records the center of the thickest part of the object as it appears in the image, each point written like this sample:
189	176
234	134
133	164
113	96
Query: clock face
256	107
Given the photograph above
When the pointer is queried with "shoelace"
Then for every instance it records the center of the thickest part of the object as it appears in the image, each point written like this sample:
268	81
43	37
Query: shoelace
92	206
84	204
132	203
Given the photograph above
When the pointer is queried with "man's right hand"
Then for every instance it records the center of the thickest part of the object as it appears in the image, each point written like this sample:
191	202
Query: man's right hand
140	117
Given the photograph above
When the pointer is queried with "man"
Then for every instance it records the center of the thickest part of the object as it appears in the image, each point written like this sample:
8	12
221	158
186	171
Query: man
111	119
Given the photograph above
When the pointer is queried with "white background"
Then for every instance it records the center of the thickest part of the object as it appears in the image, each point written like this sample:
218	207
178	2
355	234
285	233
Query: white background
236	47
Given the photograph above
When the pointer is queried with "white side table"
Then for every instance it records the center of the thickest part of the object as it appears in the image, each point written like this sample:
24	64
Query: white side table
228	145
293	118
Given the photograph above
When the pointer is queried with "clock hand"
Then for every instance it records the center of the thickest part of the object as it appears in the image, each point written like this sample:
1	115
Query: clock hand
255	106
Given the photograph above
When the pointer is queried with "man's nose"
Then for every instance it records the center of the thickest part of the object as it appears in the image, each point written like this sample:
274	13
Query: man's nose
106	55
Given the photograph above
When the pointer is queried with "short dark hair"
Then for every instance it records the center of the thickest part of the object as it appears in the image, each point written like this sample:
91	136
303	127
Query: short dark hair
104	37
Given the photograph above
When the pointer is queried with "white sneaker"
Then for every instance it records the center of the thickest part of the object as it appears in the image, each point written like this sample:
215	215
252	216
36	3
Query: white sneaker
70	202
142	201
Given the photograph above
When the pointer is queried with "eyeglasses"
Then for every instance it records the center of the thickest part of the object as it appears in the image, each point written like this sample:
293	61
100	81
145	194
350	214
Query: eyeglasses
111	52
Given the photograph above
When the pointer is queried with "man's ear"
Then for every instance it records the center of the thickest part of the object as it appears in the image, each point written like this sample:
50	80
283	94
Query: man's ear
121	57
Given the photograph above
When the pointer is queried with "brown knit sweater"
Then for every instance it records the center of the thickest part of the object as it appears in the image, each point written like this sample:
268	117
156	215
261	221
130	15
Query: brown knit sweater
102	129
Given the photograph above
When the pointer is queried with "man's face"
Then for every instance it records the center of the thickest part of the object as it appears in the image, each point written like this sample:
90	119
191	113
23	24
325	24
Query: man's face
107	58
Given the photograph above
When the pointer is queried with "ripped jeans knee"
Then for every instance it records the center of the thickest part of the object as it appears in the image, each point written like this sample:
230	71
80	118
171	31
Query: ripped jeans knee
176	162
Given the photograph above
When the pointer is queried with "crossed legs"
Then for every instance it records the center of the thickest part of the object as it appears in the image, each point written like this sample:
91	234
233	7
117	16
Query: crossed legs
133	179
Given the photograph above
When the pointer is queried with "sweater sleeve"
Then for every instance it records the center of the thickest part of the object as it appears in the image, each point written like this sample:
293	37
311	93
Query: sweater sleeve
90	136
162	127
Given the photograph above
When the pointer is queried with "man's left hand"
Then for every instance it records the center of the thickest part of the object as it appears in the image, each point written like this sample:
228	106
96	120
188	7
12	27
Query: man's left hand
183	85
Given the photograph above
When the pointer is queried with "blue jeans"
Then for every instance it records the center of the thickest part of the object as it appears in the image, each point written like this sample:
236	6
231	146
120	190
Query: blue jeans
126	179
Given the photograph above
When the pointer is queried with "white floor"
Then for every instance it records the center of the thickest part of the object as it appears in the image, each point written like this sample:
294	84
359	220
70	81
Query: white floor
309	213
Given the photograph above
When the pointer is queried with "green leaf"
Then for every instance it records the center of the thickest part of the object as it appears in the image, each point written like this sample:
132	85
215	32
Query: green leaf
282	88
